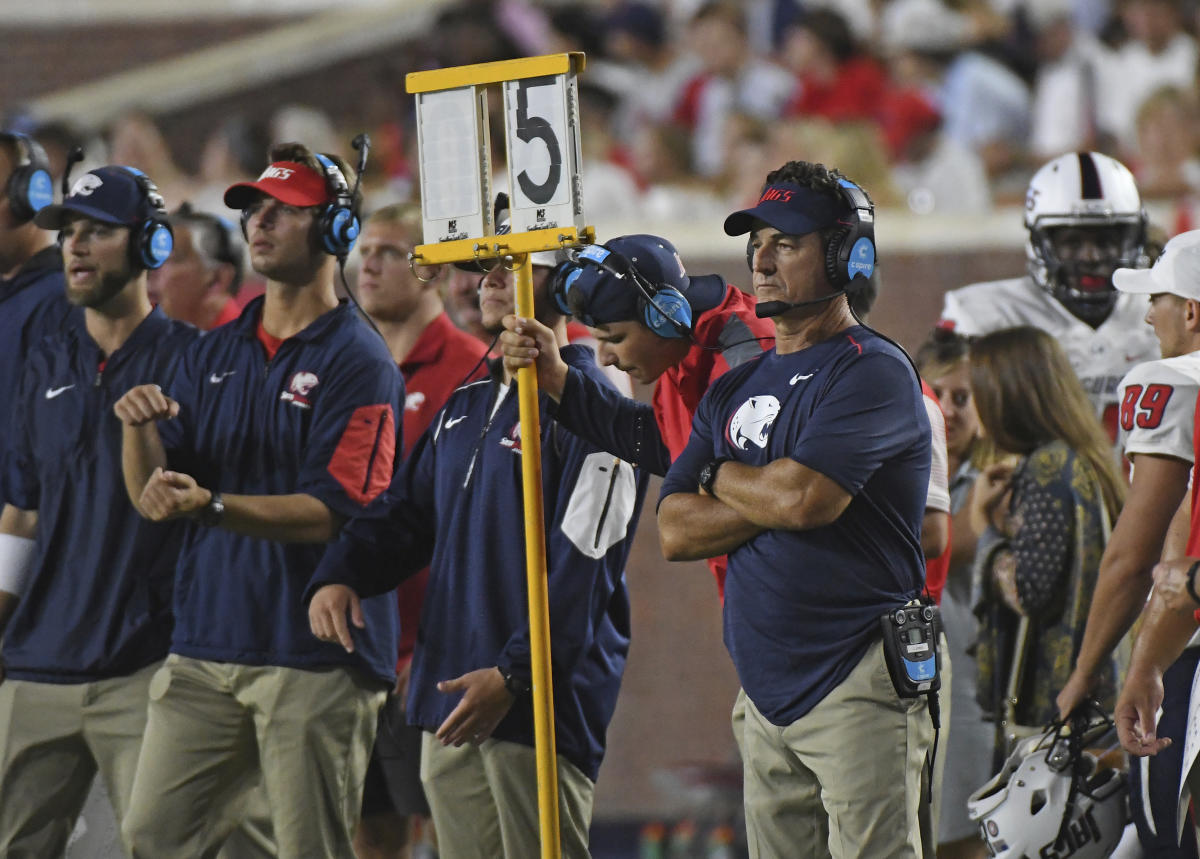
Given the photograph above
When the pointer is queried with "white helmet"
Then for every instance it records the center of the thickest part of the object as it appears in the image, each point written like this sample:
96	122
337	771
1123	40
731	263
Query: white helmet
1091	191
1052	798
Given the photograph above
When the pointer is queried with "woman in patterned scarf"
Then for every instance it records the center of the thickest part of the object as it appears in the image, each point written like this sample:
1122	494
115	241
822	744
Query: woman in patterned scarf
1043	520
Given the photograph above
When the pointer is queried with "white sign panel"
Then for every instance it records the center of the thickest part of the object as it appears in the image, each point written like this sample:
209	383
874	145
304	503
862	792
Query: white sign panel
454	152
544	157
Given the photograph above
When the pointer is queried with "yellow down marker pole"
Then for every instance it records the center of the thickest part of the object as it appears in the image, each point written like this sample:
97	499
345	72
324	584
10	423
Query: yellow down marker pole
535	572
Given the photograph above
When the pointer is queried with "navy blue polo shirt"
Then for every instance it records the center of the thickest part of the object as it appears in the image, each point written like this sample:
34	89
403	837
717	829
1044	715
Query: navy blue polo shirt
802	607
33	304
98	603
318	418
456	504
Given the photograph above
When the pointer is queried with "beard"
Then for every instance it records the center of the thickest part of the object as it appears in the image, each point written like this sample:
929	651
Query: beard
111	283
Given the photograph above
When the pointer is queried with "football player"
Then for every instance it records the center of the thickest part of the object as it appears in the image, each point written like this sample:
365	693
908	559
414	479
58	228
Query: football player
1157	409
1085	219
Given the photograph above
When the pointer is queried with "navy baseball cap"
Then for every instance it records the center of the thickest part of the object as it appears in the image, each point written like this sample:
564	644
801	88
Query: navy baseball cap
107	194
597	296
791	209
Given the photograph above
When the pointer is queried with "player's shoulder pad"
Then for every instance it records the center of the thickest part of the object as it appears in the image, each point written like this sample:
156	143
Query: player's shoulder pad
1179	372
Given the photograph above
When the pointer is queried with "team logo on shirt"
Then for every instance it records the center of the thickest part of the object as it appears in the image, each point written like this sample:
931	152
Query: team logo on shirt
414	401
752	422
513	440
299	388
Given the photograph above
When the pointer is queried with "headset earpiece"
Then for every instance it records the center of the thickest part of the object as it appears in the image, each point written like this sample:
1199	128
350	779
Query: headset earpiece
151	240
850	252
667	314
661	308
337	223
561	280
750	252
29	188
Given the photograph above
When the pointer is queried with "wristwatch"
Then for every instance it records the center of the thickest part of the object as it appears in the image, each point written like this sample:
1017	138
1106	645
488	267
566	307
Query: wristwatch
708	474
211	514
515	685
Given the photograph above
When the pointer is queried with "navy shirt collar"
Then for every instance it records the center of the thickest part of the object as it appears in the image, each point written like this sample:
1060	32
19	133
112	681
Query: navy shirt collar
148	330
247	323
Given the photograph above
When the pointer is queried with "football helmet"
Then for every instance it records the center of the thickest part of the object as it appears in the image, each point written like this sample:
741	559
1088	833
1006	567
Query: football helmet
1085	219
1053	798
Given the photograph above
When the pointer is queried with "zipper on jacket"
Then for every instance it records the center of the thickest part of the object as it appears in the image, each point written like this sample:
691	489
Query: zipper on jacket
612	485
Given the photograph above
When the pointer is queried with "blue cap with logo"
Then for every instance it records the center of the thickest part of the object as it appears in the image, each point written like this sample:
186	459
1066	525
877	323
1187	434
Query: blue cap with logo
123	196
597	290
111	194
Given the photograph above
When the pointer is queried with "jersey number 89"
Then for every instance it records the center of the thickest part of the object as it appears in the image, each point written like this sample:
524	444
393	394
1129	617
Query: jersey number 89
1144	410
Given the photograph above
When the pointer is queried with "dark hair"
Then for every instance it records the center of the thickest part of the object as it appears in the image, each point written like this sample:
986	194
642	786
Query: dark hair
831	30
301	154
943	348
808	174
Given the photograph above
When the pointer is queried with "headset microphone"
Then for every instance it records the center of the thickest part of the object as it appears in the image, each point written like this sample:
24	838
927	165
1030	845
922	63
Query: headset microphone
73	158
362	143
768	309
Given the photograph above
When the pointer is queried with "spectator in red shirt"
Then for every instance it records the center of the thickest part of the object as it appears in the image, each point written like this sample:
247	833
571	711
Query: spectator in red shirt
838	80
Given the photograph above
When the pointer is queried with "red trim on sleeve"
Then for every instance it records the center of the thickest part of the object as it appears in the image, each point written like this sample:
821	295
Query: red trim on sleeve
362	462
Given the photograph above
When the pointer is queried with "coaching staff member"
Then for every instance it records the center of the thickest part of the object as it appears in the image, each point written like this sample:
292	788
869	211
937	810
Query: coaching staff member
275	429
810	467
94	615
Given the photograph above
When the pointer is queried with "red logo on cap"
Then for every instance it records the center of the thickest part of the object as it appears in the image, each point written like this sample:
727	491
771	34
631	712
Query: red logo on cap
782	195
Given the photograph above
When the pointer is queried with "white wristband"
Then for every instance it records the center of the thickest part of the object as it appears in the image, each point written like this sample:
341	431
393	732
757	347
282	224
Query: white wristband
16	561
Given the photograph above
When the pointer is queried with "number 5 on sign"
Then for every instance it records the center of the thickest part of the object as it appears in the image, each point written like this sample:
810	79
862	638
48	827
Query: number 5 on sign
542	122
541	148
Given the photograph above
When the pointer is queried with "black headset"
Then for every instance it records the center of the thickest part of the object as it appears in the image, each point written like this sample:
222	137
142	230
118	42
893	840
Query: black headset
337	223
151	239
29	188
849	249
661	308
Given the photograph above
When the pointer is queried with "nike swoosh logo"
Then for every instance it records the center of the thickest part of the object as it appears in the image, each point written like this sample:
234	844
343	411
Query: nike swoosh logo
51	393
454	421
215	379
801	377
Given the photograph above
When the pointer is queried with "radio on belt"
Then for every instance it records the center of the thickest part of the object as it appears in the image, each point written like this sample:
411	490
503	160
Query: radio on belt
910	649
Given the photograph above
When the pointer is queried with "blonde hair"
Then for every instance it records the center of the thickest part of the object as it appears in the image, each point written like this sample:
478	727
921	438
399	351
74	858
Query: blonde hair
1027	395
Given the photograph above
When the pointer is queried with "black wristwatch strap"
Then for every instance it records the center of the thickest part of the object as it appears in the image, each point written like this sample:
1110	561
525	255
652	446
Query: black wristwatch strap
213	512
708	474
1191	582
515	685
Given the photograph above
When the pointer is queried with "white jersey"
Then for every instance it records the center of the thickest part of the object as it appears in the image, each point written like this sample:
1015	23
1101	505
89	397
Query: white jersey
1101	356
1158	407
938	496
1158	412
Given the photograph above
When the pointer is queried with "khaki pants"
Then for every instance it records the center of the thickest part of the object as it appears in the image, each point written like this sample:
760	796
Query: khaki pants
53	740
214	727
931	812
844	780
484	801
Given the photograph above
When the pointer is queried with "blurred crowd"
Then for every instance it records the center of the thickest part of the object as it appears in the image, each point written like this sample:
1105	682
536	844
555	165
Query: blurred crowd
940	106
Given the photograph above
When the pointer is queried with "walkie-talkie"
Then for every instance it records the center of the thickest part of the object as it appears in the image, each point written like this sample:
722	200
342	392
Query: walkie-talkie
910	637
